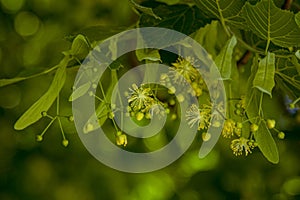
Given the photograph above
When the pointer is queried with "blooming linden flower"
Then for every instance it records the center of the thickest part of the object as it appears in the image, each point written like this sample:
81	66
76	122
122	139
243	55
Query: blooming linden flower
201	117
183	70
240	145
193	115
140	97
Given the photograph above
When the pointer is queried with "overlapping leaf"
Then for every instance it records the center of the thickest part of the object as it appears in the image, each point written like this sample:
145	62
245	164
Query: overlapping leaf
182	18
206	36
144	9
271	23
224	10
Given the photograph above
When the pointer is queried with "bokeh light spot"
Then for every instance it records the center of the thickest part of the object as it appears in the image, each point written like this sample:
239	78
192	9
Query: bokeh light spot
26	24
12	5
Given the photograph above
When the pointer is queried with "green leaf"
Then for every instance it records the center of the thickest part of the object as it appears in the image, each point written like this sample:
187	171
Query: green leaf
182	18
148	54
33	114
80	91
264	77
266	143
206	36
224	10
169	2
144	9
103	109
297	18
271	23
224	59
97	33
297	54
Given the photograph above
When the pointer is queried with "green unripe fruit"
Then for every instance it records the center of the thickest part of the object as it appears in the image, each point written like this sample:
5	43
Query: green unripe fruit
44	114
111	115
238	105
71	118
238	112
254	127
239	125
281	135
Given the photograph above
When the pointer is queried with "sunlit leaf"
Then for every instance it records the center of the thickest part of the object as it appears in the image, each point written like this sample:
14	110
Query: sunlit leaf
33	114
264	77
224	10
266	143
224	60
80	91
144	9
271	23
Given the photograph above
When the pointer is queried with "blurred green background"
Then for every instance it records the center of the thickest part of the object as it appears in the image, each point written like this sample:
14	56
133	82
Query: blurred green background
32	36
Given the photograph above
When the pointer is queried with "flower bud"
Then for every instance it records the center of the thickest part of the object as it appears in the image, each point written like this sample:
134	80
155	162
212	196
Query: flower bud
121	139
271	123
39	138
65	142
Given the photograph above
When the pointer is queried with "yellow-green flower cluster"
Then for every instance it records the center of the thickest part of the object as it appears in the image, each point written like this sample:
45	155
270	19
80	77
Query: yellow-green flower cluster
181	73
202	117
142	102
242	144
231	127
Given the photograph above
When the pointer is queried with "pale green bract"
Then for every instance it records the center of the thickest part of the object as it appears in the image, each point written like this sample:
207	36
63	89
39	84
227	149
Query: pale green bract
33	114
80	47
266	143
80	91
224	60
103	108
271	23
264	77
